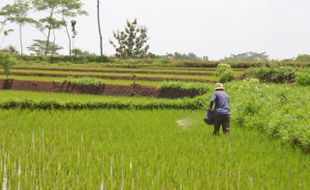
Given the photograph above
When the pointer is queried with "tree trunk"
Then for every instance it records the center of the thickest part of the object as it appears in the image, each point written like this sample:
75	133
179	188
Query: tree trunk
69	37
99	27
21	39
54	44
49	34
2	27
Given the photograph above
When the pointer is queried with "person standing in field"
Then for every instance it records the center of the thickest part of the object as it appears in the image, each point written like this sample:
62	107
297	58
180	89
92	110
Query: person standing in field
221	111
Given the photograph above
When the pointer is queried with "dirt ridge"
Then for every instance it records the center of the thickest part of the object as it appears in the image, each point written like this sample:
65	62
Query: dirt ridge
107	89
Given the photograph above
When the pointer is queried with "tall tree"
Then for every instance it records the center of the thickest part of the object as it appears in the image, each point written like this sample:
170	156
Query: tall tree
69	12
132	42
99	28
18	13
58	11
3	20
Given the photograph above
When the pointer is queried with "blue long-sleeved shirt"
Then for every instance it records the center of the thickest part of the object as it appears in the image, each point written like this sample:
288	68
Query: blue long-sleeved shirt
221	101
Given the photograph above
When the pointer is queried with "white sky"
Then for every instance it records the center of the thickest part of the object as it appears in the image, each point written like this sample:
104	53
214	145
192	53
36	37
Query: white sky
215	28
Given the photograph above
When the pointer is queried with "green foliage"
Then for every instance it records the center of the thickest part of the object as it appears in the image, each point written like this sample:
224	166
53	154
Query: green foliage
6	63
303	57
303	78
84	82
132	42
224	73
58	13
38	47
272	74
280	110
18	13
9	50
81	53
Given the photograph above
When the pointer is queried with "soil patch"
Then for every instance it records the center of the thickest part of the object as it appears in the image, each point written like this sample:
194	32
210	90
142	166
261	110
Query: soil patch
113	90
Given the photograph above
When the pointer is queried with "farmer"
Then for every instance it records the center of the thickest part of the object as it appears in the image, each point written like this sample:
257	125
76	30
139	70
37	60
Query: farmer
221	111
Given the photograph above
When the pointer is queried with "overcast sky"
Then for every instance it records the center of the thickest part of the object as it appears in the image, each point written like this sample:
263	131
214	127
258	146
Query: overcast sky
213	28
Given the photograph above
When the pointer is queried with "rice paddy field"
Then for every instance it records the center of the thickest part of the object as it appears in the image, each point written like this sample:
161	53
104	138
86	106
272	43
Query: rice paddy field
115	149
83	141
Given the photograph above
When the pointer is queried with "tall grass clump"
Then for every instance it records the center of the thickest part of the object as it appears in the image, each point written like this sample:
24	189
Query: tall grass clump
280	110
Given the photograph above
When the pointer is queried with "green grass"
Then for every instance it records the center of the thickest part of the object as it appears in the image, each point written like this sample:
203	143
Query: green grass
48	101
140	150
17	95
281	111
197	77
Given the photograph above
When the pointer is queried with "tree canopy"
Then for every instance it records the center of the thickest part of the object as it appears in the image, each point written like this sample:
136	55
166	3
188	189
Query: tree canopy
132	41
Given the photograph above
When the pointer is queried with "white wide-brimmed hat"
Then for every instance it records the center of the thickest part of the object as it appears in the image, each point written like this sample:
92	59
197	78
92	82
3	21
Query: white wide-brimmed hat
219	86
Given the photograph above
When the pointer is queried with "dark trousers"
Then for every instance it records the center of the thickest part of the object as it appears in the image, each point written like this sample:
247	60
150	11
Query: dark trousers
221	120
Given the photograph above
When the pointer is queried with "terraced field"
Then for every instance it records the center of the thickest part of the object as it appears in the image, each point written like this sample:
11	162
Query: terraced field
148	74
81	141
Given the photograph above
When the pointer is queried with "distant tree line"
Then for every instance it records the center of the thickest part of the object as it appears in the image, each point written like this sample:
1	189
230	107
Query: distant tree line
248	56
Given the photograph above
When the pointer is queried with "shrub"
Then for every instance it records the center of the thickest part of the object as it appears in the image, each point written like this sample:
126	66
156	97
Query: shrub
224	73
84	82
272	74
303	78
198	88
303	57
6	63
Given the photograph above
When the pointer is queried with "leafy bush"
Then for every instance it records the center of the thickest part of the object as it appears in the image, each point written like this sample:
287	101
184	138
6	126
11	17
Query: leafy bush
303	57
84	82
6	63
303	78
224	73
272	74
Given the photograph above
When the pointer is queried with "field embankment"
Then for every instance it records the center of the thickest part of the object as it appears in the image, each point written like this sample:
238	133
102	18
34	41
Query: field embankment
72	86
